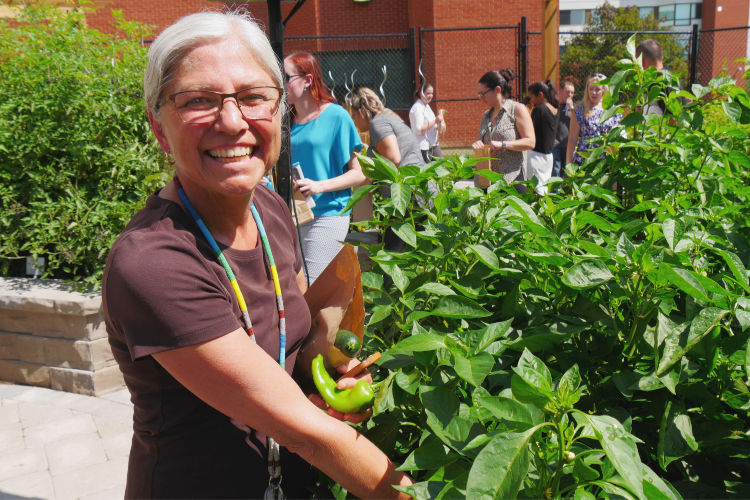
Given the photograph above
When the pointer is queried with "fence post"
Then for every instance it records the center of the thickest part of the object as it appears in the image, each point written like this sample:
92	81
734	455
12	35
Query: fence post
283	181
412	53
523	47
694	55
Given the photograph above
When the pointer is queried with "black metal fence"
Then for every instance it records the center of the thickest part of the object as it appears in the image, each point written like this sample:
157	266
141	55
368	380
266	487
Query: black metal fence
394	64
382	62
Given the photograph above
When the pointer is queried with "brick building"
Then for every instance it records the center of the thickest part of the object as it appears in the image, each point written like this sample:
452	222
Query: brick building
452	60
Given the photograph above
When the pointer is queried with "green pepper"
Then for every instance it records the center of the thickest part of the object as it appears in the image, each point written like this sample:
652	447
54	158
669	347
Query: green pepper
348	343
352	400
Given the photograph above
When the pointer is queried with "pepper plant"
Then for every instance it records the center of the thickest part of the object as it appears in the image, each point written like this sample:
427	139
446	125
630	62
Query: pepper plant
590	343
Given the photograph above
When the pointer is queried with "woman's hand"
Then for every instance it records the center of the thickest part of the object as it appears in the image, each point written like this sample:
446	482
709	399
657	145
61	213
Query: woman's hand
496	145
309	186
478	145
345	383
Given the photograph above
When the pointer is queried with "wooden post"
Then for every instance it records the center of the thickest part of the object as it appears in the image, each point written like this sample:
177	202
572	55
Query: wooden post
550	44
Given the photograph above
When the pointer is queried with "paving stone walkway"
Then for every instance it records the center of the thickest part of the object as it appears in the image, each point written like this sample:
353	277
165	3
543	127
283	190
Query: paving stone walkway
63	446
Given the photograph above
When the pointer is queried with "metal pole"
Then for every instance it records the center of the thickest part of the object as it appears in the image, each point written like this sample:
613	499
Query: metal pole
694	55
412	58
524	39
282	180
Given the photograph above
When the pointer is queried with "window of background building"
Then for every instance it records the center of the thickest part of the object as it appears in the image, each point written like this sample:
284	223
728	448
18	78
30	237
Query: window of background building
576	16
666	15
646	11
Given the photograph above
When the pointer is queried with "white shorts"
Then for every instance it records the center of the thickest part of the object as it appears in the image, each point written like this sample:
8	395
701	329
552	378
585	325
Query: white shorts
539	165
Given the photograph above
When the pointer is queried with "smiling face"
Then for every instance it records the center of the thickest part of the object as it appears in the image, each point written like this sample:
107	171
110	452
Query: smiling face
230	155
428	94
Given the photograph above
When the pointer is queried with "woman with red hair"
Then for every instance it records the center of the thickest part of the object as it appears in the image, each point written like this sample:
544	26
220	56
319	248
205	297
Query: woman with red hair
324	143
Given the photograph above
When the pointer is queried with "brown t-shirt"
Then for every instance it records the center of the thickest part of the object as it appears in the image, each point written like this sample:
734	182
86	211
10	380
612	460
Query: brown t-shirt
163	288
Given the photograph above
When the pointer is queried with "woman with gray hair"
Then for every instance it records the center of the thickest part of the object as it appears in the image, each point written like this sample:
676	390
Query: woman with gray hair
204	308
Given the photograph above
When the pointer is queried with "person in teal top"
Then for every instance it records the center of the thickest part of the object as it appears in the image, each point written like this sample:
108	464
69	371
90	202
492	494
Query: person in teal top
326	155
324	143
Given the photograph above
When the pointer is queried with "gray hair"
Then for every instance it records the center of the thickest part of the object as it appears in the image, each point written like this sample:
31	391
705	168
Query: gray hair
168	49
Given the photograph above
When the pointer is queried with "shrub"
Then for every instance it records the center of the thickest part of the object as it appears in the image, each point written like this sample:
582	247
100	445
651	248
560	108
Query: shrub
77	157
590	343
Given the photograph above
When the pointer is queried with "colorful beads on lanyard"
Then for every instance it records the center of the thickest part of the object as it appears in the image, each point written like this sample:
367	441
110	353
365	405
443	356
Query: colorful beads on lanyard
233	280
273	459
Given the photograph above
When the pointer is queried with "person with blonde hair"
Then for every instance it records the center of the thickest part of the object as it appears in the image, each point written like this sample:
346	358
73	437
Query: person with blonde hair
584	123
389	135
202	293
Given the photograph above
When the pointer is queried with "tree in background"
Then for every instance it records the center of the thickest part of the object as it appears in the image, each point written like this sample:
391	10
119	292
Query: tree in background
590	53
77	157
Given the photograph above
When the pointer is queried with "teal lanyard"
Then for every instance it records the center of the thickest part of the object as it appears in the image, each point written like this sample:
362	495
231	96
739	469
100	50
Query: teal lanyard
274	460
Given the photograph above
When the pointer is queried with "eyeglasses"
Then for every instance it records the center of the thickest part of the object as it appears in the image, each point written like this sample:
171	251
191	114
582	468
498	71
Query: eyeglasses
204	106
482	94
288	78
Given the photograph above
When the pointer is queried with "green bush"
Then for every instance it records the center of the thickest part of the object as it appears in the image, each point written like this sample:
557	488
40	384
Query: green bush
77	157
592	343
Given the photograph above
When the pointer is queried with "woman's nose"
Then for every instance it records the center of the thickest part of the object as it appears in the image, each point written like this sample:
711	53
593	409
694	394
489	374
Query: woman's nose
230	116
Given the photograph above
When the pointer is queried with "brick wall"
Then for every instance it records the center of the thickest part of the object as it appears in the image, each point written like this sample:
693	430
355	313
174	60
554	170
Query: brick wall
720	50
453	61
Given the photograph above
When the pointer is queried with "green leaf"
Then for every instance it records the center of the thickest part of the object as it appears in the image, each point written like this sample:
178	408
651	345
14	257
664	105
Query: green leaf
586	274
500	468
668	228
399	278
457	306
619	447
534	372
486	255
732	109
401	195
582	494
436	289
406	232
493	332
418	343
475	369
684	280
735	265
590	218
430	454
702	325
509	410
523	209
675	435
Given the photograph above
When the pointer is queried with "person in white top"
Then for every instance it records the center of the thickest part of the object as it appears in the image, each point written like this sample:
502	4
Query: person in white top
425	124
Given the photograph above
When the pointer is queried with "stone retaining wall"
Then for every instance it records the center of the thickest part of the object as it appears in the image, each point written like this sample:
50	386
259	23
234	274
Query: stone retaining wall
51	336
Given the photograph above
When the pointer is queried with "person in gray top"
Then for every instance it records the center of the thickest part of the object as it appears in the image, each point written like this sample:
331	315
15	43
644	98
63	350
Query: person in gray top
391	138
389	135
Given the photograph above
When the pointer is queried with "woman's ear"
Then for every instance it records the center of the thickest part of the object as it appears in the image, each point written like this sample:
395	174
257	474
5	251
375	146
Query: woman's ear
158	132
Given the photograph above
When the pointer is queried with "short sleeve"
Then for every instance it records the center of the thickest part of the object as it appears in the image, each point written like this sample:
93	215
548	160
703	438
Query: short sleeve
416	119
346	139
159	294
380	128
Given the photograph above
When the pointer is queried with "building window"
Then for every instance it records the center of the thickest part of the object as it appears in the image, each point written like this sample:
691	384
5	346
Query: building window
576	16
682	14
647	11
666	15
